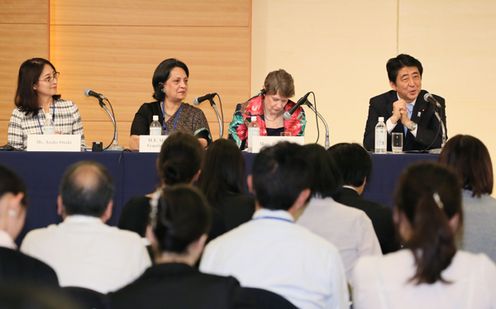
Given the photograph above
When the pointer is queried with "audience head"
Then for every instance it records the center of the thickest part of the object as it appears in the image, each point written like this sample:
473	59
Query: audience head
469	157
353	163
86	189
12	202
162	74
34	79
397	63
181	218
280	175
428	213
180	159
325	178
223	170
279	83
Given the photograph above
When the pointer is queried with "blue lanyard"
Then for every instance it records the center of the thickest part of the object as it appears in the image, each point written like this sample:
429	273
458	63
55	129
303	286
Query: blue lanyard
53	118
176	116
273	218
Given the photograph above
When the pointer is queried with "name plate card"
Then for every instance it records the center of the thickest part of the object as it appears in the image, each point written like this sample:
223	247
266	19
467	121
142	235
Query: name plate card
151	143
261	141
54	142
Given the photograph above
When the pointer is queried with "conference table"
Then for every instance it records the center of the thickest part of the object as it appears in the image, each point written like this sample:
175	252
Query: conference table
134	174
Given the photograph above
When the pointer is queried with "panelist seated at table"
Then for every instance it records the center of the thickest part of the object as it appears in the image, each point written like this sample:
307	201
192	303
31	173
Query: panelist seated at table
39	109
269	107
170	88
404	108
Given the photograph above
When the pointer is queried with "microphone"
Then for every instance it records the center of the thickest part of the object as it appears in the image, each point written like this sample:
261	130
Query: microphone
91	93
430	98
301	101
208	96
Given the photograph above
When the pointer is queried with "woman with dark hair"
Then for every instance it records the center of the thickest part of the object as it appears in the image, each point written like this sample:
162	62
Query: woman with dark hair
268	107
170	88
349	229
39	109
179	222
222	180
430	272
469	157
179	162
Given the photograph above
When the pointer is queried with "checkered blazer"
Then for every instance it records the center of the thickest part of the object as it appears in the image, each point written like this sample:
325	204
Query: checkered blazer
67	120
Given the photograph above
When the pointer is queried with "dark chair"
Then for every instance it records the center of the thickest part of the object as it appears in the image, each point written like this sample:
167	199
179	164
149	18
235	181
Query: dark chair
265	299
87	298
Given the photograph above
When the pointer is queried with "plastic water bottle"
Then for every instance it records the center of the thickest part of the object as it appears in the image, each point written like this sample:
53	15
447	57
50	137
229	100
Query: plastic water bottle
253	130
49	126
155	126
380	136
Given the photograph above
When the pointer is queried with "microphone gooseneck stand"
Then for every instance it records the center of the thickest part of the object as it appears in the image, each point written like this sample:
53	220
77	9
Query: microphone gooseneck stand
114	144
326	126
219	115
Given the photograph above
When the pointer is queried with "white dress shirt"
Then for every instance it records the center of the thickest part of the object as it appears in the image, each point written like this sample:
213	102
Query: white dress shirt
6	241
347	228
383	282
273	253
87	253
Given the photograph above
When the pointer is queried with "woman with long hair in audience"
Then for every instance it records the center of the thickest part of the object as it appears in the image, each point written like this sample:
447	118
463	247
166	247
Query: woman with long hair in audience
223	182
430	272
469	157
179	222
179	162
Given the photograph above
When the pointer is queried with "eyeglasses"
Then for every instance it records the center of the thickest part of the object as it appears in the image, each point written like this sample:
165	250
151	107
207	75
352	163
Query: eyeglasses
50	78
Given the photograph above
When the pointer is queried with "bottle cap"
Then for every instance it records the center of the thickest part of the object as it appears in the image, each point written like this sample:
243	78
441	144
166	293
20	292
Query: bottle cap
155	117
253	118
381	119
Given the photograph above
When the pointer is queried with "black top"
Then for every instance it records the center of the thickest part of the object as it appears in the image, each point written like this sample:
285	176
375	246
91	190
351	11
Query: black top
274	131
186	119
381	217
429	133
135	217
174	285
235	209
18	267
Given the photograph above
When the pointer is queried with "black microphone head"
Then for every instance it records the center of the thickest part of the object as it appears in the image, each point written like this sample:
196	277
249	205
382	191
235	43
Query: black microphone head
427	97
87	92
286	115
196	102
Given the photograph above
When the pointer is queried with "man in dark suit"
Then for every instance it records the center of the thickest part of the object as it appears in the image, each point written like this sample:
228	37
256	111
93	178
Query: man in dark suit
404	108
354	164
14	265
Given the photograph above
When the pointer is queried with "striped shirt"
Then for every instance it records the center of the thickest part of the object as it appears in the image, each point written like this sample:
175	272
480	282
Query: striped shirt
66	119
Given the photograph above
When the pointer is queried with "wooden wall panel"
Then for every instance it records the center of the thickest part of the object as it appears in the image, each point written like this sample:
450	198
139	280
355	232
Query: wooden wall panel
199	13
23	34
118	58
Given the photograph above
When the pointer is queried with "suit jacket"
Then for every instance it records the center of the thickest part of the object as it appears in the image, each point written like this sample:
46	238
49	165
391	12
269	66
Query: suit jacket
429	132
16	266
381	217
174	285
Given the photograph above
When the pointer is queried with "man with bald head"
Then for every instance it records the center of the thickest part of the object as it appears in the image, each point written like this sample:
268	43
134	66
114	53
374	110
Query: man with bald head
83	250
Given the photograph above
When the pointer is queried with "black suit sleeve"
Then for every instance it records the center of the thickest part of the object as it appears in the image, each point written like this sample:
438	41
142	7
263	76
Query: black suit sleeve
429	132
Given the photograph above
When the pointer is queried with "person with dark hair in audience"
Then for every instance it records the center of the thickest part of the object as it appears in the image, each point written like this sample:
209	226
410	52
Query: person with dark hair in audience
170	88
39	109
271	251
404	108
268	107
14	265
354	164
179	223
469	157
179	162
222	180
349	229
83	250
430	272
